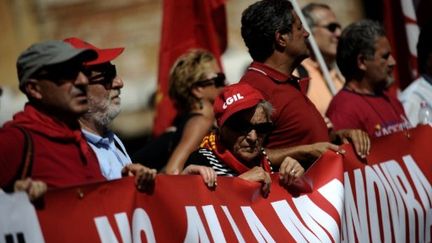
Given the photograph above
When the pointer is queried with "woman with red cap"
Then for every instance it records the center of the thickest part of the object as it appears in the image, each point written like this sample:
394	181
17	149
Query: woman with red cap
235	149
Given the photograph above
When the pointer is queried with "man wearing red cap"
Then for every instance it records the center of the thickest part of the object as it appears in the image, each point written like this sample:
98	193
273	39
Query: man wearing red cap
235	149
104	105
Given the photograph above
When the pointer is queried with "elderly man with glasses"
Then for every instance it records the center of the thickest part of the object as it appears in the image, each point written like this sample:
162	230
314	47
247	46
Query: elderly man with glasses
326	30
104	105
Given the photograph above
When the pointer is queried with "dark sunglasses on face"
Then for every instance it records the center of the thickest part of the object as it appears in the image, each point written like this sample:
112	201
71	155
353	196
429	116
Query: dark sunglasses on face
332	27
104	75
218	81
59	72
246	127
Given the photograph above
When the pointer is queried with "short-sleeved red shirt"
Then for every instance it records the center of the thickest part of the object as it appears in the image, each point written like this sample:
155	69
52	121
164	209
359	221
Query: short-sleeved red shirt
378	115
296	119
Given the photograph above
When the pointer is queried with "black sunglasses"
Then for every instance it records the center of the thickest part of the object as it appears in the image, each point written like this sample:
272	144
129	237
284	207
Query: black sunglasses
104	74
332	27
59	72
218	81
245	127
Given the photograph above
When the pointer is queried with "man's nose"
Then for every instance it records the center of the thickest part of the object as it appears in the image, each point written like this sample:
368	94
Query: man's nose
81	79
117	82
391	61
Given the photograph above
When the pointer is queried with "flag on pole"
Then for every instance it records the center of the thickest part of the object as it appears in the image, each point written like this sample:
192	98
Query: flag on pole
186	24
401	27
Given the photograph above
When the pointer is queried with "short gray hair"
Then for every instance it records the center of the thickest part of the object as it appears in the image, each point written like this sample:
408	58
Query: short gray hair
267	107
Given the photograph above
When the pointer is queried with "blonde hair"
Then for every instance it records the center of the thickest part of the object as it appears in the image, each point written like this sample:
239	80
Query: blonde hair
188	69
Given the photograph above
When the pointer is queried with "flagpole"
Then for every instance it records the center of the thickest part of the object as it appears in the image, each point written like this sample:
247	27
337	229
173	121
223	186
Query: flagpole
315	49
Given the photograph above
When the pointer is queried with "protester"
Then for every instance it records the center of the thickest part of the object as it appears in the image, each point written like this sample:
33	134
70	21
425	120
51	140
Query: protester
326	31
104	106
46	138
364	58
276	40
235	149
195	81
421	89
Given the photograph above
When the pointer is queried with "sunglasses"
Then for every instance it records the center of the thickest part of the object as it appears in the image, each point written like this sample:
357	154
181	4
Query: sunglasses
59	72
104	75
218	81
332	27
245	127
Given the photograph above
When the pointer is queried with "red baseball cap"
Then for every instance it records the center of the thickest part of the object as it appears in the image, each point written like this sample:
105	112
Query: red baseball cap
235	98
104	55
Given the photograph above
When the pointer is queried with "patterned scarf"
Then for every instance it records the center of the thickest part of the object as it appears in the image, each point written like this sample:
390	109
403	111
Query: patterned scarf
211	143
47	126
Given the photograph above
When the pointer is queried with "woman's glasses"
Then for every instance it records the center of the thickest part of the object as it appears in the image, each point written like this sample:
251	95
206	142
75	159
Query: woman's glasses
218	81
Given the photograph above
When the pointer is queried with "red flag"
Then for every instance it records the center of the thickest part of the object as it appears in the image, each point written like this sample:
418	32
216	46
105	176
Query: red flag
186	24
402	31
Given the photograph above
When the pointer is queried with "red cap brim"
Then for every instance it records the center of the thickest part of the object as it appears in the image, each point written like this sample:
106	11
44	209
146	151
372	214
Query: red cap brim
105	55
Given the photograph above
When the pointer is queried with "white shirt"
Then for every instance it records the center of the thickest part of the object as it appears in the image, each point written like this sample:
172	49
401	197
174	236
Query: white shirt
418	91
111	158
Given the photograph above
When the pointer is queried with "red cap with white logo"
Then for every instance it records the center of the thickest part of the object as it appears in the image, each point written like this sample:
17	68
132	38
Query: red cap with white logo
235	98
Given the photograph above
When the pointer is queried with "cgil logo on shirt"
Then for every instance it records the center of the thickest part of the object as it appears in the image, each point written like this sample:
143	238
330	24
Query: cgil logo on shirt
232	99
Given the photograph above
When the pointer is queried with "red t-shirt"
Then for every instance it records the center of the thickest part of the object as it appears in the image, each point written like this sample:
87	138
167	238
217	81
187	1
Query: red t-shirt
296	119
378	115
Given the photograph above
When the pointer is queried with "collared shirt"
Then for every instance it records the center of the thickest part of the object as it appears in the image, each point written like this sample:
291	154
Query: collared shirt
111	158
296	119
318	91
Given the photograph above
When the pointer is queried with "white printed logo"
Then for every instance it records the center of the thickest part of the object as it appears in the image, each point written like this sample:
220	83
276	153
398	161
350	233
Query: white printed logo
232	99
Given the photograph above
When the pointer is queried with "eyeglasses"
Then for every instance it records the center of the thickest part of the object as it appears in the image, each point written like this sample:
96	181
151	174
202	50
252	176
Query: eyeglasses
245	127
104	74
218	81
332	27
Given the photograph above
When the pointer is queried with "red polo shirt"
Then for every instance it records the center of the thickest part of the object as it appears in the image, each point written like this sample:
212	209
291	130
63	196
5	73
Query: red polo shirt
296	119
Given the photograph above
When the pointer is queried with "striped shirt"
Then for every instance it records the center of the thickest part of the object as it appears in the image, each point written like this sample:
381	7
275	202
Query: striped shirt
207	158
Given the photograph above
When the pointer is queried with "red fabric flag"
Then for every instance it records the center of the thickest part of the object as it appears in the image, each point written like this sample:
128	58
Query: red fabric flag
402	31
186	24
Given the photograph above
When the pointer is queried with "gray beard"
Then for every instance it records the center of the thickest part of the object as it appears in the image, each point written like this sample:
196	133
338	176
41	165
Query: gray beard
103	113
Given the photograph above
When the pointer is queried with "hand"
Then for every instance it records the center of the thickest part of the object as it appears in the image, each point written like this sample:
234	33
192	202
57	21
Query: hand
328	123
34	188
317	149
144	176
208	174
290	170
258	174
359	138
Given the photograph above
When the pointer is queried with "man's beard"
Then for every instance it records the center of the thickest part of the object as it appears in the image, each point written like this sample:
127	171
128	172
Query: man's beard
103	112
